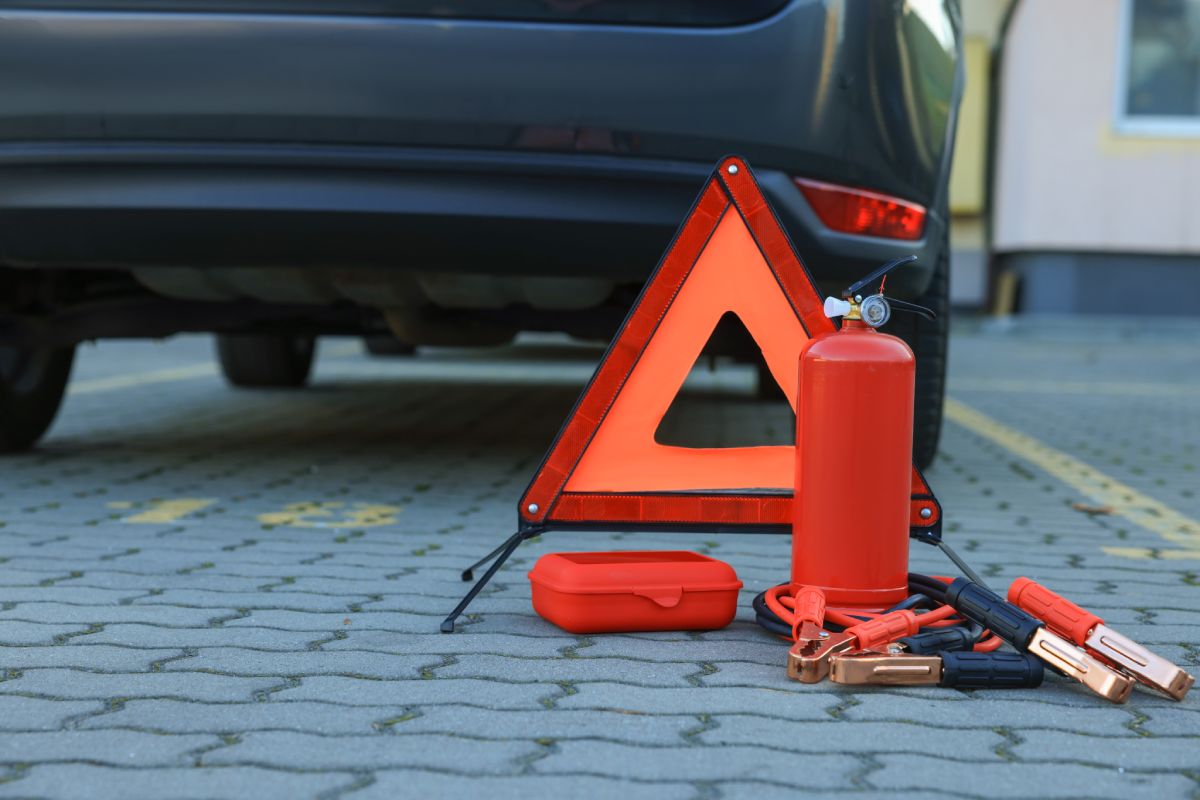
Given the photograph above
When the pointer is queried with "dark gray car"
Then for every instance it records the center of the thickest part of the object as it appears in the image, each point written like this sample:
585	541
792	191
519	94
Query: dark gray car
444	172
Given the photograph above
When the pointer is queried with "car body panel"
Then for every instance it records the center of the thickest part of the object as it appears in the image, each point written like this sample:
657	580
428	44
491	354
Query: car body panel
214	139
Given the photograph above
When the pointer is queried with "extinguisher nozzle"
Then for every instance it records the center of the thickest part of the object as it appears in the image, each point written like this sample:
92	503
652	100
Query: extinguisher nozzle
836	308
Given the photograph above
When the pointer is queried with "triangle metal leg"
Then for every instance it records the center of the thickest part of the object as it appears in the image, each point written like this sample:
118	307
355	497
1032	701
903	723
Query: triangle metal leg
504	551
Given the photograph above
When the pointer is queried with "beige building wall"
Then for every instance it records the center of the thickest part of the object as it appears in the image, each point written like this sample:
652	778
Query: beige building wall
981	24
968	176
968	172
1066	178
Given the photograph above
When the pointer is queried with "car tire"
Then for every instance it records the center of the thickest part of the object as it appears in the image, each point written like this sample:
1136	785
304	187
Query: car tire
265	360
385	345
32	384
928	338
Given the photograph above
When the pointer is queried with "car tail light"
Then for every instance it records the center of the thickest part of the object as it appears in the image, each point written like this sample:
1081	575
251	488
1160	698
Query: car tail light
865	213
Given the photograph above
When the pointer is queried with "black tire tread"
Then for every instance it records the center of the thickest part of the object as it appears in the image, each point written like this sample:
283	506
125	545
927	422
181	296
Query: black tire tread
26	415
265	360
928	339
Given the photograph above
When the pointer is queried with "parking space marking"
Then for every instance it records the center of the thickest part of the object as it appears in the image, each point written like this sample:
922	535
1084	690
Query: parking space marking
1103	489
1112	388
129	381
171	374
332	514
166	510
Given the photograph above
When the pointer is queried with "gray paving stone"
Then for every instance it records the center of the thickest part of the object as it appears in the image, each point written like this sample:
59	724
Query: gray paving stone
1173	721
795	701
573	670
74	684
393	621
561	724
102	658
88	782
27	633
299	601
431	751
745	673
117	748
477	643
698	763
262	625
38	714
67	595
356	691
839	736
139	635
239	661
178	716
115	614
906	773
956	710
389	785
1130	752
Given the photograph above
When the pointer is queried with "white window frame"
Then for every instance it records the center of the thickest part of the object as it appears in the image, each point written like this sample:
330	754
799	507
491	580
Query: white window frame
1142	124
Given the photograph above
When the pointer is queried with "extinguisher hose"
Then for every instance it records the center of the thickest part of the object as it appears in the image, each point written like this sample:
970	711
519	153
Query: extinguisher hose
774	611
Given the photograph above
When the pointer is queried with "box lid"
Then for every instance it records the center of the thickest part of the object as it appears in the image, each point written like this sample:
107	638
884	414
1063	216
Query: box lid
659	575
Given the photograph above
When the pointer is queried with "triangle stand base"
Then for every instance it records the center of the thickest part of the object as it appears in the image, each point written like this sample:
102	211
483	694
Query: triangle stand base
501	554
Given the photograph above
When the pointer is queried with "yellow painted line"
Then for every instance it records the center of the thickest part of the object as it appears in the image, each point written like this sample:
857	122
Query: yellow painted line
142	379
352	348
1114	388
1153	552
332	514
166	510
1102	489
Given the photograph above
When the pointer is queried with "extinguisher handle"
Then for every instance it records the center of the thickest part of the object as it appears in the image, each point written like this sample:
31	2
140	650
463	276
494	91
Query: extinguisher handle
901	305
858	286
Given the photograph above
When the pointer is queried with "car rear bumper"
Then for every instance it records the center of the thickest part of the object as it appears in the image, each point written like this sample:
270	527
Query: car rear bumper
139	206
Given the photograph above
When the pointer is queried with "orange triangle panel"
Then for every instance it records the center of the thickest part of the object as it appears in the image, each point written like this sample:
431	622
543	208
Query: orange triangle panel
605	467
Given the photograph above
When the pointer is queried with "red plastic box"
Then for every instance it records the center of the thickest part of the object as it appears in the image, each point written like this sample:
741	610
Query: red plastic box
650	590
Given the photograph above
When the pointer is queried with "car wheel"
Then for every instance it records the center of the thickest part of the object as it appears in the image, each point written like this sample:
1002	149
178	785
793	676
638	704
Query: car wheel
927	338
32	383
265	360
386	345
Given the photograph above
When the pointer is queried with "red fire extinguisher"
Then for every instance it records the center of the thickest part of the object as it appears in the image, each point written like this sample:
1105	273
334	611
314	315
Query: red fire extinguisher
854	419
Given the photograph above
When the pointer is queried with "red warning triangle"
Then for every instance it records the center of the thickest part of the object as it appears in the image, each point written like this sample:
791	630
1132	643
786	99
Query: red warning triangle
605	468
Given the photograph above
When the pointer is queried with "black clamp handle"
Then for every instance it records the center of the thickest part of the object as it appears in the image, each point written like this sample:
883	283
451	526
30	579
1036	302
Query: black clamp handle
970	670
937	641
984	606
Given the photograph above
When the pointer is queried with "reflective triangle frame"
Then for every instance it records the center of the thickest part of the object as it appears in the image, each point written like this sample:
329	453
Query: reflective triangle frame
549	502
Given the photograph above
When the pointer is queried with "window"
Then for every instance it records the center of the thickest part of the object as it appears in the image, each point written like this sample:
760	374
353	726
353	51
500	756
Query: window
1158	87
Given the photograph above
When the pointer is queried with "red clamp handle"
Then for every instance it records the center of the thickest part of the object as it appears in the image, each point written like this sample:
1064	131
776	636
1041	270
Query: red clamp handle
810	605
878	632
1060	614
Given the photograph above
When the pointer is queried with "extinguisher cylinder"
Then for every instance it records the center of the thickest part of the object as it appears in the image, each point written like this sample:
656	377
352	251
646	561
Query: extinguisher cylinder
854	415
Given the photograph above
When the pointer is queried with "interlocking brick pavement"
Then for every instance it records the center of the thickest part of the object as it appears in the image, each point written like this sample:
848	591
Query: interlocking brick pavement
207	592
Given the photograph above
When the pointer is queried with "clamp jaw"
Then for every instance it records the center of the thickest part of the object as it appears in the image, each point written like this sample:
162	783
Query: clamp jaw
809	661
963	670
1088	631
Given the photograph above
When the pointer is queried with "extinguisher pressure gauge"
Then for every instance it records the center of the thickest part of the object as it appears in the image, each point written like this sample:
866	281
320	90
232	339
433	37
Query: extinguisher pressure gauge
875	310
